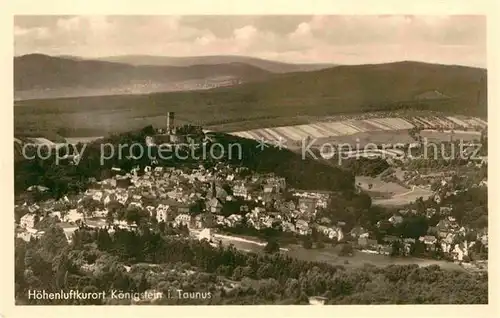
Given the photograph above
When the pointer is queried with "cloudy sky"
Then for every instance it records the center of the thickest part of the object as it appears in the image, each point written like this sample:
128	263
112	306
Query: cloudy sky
306	39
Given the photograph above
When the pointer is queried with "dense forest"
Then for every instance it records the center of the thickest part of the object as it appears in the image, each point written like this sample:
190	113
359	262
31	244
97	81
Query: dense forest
95	260
364	166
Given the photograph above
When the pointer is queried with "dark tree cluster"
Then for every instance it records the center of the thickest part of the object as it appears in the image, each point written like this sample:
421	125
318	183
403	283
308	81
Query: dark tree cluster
96	260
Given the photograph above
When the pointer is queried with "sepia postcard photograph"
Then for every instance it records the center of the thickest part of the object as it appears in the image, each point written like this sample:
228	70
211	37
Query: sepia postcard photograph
212	160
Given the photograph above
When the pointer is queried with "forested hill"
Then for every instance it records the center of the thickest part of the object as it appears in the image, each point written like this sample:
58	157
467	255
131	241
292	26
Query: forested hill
268	65
44	76
338	90
61	179
359	88
260	279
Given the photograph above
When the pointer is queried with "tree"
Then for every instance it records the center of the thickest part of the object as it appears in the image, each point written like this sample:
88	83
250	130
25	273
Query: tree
103	240
272	246
19	267
307	242
52	242
396	248
133	215
346	250
414	226
480	222
142	284
237	273
335	241
184	230
314	234
46	223
161	226
110	217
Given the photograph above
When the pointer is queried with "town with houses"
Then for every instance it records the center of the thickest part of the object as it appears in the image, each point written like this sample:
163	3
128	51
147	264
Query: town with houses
294	173
207	201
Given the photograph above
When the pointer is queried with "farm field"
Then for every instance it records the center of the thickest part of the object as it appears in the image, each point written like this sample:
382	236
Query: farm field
83	140
376	130
380	186
432	135
121	114
329	254
326	129
390	193
360	259
362	139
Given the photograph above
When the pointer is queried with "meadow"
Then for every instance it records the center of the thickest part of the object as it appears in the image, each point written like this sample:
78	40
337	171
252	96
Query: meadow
330	255
388	130
404	198
389	193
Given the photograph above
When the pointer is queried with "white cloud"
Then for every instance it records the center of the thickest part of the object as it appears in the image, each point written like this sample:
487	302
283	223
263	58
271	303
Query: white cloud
245	33
70	24
205	39
39	33
303	29
18	31
98	23
337	39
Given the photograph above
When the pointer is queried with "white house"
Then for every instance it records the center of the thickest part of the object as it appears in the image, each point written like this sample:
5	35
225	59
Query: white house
151	210
122	197
162	212
28	220
136	204
33	208
234	219
205	234
56	214
73	216
334	232
288	226
240	191
220	219
68	232
29	233
97	196
303	227
396	219
428	239
184	219
461	250
108	199
100	213
158	169
317	300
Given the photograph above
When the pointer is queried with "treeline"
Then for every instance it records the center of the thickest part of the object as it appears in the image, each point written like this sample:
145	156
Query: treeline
196	266
443	105
365	166
302	173
470	207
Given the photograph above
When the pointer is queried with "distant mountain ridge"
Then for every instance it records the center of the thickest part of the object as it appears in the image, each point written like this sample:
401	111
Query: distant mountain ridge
46	76
372	87
268	65
281	100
